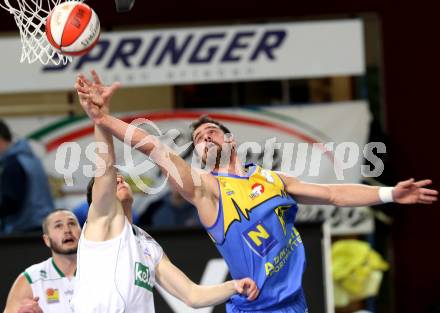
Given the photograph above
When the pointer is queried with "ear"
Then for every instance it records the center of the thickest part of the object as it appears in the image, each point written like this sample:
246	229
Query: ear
46	240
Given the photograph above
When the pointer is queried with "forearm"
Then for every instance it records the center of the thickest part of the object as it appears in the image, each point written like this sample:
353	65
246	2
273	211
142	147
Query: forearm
181	175
104	188
337	194
105	154
202	296
130	134
149	144
354	195
179	285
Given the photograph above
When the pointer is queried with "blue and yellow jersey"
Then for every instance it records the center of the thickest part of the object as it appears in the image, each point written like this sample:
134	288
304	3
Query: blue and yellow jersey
255	234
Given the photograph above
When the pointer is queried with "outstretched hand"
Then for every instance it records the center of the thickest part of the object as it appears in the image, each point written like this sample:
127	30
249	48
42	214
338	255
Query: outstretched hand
94	96
248	287
410	191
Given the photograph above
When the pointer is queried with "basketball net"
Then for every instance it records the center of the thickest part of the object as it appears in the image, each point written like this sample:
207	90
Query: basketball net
30	17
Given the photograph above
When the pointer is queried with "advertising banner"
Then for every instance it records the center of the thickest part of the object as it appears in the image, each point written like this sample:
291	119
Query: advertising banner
201	55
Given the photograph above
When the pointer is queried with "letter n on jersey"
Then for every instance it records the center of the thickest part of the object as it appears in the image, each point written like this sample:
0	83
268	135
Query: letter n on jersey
259	239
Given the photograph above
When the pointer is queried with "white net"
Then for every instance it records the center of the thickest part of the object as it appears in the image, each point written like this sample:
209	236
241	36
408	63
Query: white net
30	17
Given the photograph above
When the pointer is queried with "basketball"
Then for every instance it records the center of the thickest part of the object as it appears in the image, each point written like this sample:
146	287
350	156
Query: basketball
72	28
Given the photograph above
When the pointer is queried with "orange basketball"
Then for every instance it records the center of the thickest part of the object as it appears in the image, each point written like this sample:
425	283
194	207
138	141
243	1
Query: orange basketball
72	28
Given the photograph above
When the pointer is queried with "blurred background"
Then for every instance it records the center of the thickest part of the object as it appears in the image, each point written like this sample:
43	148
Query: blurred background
321	71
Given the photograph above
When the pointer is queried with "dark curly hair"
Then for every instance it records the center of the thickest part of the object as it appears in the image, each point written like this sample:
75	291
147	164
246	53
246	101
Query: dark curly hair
204	119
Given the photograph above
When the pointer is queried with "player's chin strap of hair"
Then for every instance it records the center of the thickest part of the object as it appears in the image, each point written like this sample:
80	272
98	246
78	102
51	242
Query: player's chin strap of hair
386	194
124	5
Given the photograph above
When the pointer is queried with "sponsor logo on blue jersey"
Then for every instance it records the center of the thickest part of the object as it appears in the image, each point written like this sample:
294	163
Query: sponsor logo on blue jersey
259	239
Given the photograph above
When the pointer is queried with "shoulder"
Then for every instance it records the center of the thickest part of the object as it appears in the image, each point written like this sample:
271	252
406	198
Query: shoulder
204	180
150	246
37	271
21	289
209	183
143	235
286	177
22	284
291	183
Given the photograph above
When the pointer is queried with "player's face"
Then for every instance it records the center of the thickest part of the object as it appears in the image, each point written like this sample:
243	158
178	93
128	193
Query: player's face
63	232
123	190
209	140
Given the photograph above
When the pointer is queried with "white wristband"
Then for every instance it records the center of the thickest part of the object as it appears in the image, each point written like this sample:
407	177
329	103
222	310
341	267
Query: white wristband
386	194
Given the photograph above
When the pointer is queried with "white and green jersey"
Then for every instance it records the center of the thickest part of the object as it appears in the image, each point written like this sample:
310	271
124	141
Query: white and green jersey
117	275
50	284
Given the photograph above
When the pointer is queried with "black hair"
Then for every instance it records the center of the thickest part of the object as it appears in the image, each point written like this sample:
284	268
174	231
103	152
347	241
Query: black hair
5	133
204	119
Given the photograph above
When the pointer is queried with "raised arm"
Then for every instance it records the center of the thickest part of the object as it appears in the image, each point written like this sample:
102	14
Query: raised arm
179	285
197	187
405	192
21	299
105	217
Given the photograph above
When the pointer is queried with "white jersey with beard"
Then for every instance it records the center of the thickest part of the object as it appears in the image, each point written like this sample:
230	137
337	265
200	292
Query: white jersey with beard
117	275
50	284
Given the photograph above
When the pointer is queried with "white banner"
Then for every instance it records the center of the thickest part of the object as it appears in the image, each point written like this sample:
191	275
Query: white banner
201	55
317	143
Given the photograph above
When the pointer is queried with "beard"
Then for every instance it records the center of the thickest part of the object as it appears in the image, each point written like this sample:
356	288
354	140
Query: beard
217	156
55	247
